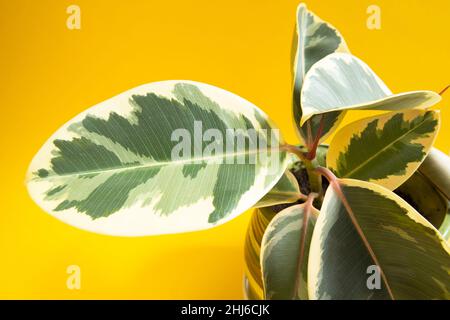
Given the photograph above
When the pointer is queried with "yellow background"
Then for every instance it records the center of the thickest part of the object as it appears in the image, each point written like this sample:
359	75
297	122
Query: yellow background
49	73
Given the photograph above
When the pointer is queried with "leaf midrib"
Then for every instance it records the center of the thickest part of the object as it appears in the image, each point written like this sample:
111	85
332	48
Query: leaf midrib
337	187
157	164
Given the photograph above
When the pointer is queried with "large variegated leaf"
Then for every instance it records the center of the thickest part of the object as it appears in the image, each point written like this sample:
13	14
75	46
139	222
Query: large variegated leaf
314	39
153	160
341	81
385	149
285	250
368	243
286	190
436	167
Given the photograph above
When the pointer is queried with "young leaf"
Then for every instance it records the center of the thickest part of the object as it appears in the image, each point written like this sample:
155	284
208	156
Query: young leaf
368	243
284	252
341	81
384	149
142	163
314	39
286	190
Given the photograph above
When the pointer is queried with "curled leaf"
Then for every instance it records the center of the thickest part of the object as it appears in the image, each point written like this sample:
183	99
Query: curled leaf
314	39
341	82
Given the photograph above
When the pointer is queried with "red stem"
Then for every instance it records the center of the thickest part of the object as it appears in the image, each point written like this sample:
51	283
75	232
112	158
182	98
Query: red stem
326	173
312	151
443	90
308	205
295	150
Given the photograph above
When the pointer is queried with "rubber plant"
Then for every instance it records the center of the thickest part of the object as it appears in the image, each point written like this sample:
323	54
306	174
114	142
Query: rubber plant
329	219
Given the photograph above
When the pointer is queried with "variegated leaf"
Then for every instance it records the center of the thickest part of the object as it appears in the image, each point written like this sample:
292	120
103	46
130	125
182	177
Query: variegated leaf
341	81
286	190
384	149
368	243
285	250
112	168
314	39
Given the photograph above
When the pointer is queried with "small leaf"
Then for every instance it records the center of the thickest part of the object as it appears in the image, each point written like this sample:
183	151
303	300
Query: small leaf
286	190
341	81
111	169
314	39
384	149
284	252
368	243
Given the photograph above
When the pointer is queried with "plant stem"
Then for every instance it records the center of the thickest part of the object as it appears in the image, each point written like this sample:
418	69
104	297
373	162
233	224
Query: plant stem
295	150
314	177
326	173
306	216
443	90
313	148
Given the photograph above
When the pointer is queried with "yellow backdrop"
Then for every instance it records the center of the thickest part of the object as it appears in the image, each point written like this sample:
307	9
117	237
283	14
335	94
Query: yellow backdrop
49	73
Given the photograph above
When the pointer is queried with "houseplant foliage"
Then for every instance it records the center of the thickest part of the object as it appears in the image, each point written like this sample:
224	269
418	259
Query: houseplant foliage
373	205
